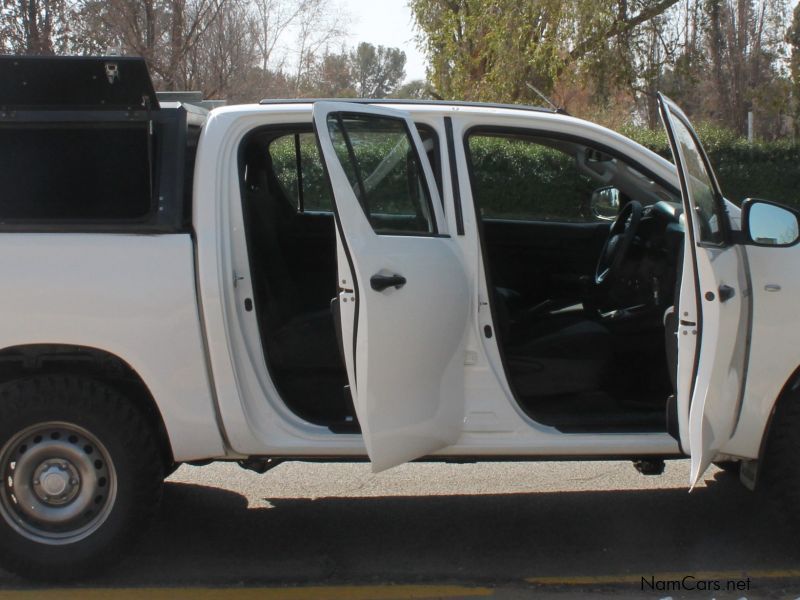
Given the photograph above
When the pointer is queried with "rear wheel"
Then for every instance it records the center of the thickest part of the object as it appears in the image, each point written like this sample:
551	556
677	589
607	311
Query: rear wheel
81	476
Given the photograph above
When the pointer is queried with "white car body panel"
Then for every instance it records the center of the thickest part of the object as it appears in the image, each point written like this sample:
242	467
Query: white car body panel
133	296
773	344
253	417
183	327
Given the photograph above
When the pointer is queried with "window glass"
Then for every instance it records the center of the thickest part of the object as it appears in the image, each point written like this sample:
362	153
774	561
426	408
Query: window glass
315	189
701	188
311	182
519	178
63	172
381	164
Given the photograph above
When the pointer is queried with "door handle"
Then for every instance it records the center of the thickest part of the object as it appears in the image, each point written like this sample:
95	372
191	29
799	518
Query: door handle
380	282
726	292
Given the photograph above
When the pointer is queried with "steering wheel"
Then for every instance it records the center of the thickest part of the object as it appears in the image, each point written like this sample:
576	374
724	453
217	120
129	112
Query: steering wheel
620	237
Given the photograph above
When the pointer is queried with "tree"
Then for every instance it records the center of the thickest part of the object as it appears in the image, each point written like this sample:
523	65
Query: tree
321	25
164	32
234	49
377	71
34	26
416	89
330	77
366	72
490	51
221	64
793	39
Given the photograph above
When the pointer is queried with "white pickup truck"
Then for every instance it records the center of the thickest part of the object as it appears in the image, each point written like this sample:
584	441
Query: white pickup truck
381	280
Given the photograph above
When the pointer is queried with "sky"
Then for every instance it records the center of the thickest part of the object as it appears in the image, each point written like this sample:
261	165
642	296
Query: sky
385	23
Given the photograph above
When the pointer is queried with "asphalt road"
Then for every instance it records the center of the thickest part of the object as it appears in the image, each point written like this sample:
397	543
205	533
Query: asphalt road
434	530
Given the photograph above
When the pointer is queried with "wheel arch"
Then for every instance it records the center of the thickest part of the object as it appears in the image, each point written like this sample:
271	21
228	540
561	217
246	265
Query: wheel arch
790	392
28	360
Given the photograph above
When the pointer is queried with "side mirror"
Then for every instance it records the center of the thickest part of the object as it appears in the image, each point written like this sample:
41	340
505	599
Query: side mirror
769	224
605	203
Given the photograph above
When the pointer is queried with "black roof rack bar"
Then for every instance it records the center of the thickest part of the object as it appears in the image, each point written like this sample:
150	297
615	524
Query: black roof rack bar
409	102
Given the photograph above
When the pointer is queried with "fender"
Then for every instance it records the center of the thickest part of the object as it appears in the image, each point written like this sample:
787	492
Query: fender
134	297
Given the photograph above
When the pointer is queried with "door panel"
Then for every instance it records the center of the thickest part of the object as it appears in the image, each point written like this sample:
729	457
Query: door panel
722	362
403	293
714	329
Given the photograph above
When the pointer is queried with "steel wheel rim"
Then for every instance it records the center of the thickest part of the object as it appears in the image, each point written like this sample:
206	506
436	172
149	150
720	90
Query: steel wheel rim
59	483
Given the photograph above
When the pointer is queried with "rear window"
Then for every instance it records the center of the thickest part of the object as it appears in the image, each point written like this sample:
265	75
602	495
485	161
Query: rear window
71	173
306	186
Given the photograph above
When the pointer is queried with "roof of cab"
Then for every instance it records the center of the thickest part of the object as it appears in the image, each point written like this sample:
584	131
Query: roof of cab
395	101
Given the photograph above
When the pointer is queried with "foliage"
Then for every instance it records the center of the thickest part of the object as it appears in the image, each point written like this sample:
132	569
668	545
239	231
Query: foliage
793	40
240	50
719	59
316	191
376	70
769	170
368	71
513	179
490	50
416	89
35	26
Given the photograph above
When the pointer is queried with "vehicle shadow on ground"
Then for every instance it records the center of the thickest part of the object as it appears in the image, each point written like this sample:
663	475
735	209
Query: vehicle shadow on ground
208	536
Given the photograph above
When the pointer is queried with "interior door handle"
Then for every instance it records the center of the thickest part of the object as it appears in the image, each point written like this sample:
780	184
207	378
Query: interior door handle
726	292
380	282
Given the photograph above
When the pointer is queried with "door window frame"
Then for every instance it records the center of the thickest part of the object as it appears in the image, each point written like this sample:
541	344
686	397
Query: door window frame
537	132
720	209
437	226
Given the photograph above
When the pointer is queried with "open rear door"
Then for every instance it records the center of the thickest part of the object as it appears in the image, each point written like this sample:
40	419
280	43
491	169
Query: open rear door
403	295
714	309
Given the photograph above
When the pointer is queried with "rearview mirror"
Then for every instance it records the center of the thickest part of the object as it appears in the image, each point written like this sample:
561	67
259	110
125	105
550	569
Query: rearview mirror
769	224
605	203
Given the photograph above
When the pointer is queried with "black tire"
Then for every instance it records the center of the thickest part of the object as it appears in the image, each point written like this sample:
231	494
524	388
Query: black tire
779	471
128	486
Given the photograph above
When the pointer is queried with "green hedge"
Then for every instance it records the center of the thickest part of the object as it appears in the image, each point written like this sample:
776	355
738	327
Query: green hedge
514	179
769	170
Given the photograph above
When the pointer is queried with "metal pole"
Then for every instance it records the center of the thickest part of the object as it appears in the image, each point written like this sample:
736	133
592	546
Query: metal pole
750	127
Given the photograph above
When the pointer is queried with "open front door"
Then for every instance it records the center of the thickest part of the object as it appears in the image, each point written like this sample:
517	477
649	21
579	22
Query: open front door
403	295
714	307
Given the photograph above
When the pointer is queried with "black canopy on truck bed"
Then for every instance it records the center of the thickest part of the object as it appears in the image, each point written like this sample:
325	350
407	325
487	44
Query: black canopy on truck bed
86	146
76	83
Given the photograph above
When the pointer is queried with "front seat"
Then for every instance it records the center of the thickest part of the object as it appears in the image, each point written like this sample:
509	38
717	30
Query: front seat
555	355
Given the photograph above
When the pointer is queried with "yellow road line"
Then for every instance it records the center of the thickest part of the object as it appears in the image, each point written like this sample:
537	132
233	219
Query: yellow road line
700	575
377	592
